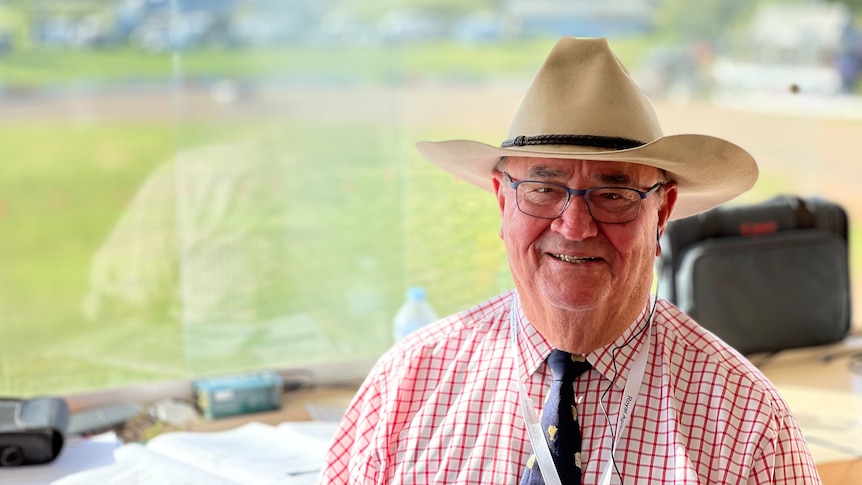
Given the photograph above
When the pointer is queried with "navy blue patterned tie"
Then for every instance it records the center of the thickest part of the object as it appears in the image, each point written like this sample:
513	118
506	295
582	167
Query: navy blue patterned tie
560	421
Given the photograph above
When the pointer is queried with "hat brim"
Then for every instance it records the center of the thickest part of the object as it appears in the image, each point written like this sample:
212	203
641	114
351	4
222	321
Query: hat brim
708	170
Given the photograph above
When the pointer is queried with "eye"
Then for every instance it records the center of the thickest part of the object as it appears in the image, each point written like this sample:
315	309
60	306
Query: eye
616	196
542	188
541	193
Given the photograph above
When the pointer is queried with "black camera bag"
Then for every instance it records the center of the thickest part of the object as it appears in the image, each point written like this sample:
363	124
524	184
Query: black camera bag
32	431
763	277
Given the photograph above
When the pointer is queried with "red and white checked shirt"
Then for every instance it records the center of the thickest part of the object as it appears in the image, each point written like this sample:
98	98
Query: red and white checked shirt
442	407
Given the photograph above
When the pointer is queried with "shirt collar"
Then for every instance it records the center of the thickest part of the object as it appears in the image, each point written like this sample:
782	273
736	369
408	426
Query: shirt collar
622	351
533	348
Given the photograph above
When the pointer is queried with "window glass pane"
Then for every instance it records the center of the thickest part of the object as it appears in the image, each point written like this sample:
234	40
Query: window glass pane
202	187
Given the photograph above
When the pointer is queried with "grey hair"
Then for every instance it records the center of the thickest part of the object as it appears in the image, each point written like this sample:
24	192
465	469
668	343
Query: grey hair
501	165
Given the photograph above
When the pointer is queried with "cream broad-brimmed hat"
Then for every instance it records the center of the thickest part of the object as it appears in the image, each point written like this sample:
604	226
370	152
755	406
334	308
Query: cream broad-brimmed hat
584	105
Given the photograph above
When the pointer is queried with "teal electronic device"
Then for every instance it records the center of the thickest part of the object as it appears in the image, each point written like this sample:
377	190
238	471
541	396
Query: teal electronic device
218	397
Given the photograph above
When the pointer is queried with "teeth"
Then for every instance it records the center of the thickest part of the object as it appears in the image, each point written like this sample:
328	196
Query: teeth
570	259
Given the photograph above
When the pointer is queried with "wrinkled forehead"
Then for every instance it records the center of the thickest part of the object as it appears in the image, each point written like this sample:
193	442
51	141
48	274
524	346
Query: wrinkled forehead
562	168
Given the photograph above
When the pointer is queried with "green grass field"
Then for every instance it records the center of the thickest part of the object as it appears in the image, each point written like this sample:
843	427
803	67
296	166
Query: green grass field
313	259
124	263
328	240
445	60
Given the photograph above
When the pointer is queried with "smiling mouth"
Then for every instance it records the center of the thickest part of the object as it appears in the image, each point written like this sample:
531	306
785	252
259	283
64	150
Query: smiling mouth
574	260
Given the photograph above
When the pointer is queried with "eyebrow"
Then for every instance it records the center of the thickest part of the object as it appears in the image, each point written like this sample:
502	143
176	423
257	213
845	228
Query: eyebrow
614	179
541	171
546	172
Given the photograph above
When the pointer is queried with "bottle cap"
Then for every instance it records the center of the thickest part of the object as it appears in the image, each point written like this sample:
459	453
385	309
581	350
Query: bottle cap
416	293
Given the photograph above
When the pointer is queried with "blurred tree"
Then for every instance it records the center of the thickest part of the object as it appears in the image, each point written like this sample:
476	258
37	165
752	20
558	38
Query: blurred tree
855	6
15	25
705	20
374	9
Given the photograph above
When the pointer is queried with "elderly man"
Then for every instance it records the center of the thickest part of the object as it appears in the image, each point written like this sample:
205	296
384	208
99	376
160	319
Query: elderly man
629	389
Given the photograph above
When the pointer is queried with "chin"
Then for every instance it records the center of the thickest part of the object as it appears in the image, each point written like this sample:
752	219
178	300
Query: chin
578	299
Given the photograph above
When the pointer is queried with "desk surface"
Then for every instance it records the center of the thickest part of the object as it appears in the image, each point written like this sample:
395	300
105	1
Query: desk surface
823	391
295	406
823	387
847	472
828	367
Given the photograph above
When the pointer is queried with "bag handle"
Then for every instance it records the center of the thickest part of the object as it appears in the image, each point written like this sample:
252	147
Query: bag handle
711	226
804	216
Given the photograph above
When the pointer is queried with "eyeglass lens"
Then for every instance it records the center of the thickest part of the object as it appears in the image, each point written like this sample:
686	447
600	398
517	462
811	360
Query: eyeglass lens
607	204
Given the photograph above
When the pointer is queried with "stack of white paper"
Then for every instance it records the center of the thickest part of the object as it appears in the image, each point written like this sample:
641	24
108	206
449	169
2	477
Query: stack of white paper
255	453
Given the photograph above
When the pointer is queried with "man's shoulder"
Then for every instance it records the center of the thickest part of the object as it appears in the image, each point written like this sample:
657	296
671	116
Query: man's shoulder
481	326
679	332
694	354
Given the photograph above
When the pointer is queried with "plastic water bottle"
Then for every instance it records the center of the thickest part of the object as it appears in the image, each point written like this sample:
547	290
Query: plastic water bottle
416	312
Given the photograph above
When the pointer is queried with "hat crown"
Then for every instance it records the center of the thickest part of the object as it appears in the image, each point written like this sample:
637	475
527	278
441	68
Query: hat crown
583	105
583	89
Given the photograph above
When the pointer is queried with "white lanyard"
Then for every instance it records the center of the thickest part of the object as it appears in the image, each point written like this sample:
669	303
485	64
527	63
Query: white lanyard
630	399
531	418
528	410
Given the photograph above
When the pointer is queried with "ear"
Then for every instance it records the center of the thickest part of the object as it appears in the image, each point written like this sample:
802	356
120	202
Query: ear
668	201
497	183
669	195
499	192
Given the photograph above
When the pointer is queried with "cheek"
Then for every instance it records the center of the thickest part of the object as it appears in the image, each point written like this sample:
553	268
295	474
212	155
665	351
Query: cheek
644	258
519	231
508	222
520	234
634	249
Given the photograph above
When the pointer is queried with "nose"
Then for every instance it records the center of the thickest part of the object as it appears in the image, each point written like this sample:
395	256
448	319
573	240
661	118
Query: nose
576	223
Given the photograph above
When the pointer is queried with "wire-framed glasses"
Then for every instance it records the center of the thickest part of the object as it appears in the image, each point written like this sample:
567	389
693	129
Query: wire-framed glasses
608	205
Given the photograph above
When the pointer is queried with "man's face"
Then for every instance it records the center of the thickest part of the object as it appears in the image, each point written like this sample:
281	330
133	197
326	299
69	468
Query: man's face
573	262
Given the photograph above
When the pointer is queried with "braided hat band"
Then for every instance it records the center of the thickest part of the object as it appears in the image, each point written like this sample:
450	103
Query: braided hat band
583	105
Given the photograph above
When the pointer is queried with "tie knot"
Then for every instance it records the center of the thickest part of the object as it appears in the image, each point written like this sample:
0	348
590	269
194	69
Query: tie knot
567	367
